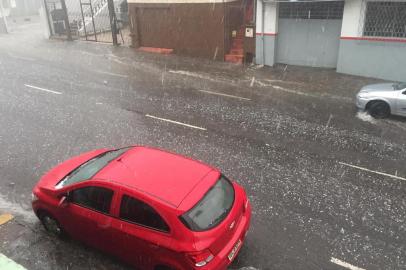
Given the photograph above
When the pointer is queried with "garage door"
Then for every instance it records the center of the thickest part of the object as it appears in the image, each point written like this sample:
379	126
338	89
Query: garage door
309	33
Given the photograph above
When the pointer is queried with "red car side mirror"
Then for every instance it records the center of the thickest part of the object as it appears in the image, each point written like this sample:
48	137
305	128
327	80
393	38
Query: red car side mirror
63	202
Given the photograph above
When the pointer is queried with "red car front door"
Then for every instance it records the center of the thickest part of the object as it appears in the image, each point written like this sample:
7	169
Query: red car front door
87	216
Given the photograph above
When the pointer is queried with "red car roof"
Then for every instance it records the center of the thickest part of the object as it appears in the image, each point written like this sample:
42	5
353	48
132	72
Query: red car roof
166	176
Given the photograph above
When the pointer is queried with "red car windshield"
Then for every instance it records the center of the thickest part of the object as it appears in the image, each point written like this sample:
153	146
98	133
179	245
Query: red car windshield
212	209
90	167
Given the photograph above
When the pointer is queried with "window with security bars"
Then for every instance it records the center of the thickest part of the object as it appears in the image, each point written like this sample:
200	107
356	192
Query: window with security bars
385	19
332	10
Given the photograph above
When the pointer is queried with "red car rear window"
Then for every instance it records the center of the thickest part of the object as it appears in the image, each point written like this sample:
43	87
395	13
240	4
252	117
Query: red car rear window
212	209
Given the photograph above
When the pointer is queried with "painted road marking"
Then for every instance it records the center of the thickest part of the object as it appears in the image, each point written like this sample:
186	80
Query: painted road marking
224	95
112	74
21	57
371	171
197	75
8	264
5	218
345	264
174	122
43	89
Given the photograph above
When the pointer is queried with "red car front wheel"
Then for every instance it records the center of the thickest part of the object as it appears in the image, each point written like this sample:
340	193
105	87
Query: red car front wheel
51	224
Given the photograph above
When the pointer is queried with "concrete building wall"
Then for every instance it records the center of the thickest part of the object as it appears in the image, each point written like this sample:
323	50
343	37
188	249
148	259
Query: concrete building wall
373	58
383	58
266	33
379	57
24	7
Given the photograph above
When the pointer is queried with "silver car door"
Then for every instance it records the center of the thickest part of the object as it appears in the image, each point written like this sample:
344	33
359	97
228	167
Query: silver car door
401	103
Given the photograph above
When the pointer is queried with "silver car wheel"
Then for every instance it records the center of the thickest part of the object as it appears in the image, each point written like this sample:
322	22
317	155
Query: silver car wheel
379	109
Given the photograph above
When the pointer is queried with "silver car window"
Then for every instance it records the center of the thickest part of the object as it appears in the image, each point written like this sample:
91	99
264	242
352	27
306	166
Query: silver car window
400	86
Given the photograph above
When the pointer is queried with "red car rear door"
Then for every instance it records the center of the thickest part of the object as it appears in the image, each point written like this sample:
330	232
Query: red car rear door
140	232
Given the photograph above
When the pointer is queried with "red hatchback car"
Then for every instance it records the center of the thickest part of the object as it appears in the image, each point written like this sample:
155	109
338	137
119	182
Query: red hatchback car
153	209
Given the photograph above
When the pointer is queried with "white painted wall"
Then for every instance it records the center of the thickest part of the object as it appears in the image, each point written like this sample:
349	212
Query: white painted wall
5	10
267	24
271	17
44	21
352	18
258	19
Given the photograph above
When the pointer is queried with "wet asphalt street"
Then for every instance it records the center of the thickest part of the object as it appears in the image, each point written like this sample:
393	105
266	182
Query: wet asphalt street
291	137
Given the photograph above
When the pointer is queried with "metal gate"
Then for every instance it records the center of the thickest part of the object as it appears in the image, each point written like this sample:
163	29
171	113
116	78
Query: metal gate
309	33
57	20
90	20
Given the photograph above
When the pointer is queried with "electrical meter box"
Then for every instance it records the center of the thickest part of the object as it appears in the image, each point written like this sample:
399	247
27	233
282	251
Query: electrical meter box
249	32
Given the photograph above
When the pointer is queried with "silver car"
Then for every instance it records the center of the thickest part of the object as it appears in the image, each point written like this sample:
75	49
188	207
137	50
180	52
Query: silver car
381	100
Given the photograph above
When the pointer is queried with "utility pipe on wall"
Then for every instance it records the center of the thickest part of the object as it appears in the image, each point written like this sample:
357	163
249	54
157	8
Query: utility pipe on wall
263	31
3	13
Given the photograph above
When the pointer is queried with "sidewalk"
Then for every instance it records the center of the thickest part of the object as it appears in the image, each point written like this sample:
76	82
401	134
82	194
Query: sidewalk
295	79
304	81
312	80
10	232
8	264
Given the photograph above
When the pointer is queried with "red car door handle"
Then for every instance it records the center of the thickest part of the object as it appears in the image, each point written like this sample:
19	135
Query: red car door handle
103	226
153	246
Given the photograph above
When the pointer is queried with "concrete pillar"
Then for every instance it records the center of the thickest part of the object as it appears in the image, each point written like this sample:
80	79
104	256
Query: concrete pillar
352	22
3	29
3	18
351	28
46	25
267	29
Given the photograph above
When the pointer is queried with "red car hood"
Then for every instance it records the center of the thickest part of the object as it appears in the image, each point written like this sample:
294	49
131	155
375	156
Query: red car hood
52	177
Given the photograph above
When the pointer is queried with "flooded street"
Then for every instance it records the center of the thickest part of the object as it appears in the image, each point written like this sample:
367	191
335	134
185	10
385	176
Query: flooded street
327	183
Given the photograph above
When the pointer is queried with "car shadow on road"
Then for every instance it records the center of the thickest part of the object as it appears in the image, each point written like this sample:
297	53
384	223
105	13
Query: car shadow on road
36	249
397	118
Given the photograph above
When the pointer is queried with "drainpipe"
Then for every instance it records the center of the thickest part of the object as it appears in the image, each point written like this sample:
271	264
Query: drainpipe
66	20
225	30
3	13
263	32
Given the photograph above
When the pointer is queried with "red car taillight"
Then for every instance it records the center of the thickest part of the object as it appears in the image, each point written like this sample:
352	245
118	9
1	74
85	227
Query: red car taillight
201	258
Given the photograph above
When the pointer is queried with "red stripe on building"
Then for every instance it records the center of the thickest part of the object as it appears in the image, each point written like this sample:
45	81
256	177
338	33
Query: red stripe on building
403	40
266	34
